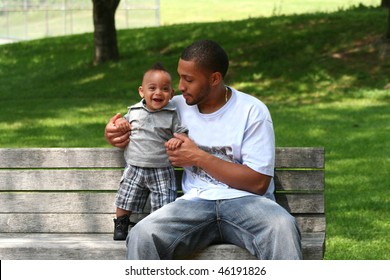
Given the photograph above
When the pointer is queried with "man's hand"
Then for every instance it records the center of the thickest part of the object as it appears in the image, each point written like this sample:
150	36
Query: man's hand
173	143
123	125
114	135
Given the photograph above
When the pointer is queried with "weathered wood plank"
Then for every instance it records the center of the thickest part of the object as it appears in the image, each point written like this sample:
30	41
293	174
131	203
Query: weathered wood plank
102	247
59	180
56	223
60	247
313	246
111	157
313	180
223	252
61	157
311	250
98	202
100	223
300	157
302	203
311	222
68	179
47	202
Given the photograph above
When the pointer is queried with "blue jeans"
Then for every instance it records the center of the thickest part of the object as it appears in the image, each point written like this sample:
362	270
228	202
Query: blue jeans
183	227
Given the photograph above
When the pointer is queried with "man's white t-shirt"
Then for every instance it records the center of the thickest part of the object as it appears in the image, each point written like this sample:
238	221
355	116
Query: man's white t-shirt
241	132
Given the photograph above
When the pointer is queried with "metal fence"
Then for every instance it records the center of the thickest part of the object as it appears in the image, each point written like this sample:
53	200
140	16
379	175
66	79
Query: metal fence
32	19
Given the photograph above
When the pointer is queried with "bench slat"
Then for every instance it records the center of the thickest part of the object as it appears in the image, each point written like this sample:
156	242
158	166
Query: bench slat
68	179
287	180
47	202
61	158
305	158
302	203
102	247
98	202
311	222
60	247
54	223
311	250
59	180
98	223
111	157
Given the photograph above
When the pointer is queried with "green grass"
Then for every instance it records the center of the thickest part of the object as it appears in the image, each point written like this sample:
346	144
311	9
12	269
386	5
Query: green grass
322	76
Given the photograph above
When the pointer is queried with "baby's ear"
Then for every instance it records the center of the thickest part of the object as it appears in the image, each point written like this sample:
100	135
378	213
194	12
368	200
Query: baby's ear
141	92
172	93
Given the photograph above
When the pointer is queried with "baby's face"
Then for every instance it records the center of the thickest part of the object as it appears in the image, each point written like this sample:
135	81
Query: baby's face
156	89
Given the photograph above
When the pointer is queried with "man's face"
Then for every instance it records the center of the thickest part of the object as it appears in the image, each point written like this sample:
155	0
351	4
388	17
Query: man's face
194	82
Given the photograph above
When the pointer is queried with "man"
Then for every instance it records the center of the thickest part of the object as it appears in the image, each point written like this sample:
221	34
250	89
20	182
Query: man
228	158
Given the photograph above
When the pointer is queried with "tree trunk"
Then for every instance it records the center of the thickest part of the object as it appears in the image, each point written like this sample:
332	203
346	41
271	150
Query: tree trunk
388	24
106	48
386	4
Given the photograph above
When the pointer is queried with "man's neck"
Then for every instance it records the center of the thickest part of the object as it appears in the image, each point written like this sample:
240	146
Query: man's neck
216	101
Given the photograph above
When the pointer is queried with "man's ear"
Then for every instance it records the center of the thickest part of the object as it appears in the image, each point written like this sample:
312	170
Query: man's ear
215	78
141	92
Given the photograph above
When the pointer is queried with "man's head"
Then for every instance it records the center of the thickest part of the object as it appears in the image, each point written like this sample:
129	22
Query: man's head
202	68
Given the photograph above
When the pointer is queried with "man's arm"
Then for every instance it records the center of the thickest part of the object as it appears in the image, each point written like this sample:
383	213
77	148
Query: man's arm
235	175
114	135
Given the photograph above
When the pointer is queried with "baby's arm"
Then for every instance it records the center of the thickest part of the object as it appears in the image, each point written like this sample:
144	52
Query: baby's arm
123	125
173	143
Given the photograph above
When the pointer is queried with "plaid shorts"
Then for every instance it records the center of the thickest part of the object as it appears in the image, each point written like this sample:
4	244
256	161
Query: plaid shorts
138	182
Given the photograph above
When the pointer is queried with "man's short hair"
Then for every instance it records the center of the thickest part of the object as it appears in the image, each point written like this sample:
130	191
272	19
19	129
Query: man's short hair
208	55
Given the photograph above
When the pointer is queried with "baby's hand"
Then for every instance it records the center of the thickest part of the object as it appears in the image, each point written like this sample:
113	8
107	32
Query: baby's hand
123	125
173	143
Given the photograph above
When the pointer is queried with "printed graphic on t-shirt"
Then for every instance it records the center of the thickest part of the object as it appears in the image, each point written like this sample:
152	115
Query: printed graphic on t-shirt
224	153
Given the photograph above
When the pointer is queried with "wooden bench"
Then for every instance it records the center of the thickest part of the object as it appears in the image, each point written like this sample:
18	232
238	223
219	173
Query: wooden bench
57	203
